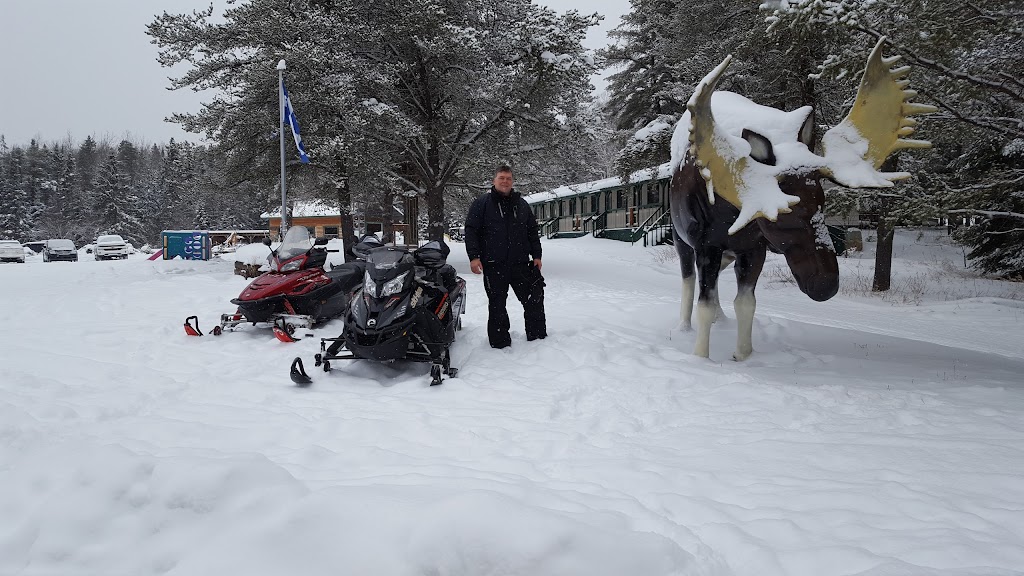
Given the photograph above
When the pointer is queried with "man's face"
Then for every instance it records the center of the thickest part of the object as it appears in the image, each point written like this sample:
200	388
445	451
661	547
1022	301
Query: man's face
503	182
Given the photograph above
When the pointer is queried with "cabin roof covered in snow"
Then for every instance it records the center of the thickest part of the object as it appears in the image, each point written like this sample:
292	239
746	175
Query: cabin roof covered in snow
313	209
306	209
658	172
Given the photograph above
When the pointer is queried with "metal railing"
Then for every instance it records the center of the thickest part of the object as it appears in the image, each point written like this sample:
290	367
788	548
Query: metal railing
589	223
550	228
600	223
645	228
659	231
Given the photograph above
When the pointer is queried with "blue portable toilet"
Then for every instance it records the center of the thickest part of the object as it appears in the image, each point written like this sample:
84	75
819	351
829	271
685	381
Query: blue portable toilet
188	244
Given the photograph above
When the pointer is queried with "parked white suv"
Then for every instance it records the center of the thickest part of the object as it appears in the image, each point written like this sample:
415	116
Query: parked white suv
11	251
110	246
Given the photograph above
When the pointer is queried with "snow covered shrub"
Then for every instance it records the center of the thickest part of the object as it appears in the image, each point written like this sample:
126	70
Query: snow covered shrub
664	254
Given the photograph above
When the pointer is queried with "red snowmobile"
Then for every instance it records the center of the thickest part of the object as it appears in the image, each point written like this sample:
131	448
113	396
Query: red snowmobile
296	293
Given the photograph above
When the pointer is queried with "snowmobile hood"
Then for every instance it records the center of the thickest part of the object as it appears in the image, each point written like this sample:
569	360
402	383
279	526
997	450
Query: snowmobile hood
381	314
276	283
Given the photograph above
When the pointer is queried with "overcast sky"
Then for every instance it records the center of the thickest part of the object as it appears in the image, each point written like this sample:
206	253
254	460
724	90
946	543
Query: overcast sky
78	67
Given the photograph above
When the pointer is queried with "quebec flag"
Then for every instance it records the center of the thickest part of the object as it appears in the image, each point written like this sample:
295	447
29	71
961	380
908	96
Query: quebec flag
293	121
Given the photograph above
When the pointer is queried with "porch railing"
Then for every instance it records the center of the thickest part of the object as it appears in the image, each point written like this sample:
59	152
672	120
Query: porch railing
648	225
659	230
600	223
550	228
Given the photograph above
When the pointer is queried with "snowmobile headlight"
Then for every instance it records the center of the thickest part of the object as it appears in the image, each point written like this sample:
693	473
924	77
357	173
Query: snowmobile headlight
394	286
369	286
293	265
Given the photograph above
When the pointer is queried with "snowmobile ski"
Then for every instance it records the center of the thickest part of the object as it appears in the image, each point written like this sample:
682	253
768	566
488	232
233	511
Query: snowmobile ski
190	329
284	330
298	373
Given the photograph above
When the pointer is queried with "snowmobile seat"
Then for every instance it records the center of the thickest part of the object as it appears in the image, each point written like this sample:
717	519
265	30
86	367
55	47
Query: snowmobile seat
444	277
349	274
365	244
433	254
432	264
448	276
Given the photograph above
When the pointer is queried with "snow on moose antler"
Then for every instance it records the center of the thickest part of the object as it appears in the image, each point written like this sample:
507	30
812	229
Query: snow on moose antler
875	127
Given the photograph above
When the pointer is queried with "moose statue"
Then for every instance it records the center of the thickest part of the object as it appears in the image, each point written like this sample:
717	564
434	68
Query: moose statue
745	179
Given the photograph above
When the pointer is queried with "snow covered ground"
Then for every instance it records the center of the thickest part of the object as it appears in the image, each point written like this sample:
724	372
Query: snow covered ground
865	436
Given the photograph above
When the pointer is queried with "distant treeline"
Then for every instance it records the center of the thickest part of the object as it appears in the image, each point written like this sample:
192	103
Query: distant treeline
79	190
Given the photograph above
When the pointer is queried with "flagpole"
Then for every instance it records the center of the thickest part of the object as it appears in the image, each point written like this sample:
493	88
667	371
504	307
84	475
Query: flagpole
280	128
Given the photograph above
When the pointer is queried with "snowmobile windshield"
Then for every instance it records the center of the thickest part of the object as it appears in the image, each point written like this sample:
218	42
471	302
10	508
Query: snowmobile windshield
387	272
296	243
384	264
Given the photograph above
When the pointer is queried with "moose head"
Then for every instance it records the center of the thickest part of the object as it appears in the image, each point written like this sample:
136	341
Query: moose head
760	162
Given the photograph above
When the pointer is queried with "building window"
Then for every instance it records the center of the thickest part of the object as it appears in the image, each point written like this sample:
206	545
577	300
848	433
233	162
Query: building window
331	231
561	208
620	199
595	203
654	193
572	207
608	200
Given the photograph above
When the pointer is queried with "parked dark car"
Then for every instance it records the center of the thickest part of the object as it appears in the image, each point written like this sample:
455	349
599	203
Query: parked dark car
60	249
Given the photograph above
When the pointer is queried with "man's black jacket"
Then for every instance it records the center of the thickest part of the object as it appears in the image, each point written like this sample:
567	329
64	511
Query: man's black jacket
502	229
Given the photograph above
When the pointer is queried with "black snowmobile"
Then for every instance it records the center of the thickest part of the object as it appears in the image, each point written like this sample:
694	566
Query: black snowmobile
409	308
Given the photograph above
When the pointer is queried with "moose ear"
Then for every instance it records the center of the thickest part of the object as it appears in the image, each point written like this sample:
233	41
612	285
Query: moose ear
760	147
807	131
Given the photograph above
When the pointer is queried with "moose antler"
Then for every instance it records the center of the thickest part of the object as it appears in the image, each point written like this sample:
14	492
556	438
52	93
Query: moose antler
719	172
726	168
876	125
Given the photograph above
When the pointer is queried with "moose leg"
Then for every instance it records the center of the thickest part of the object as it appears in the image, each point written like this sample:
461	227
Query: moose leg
708	265
720	314
748	268
689	282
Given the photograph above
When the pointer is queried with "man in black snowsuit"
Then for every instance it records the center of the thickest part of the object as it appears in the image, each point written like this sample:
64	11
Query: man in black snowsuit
503	242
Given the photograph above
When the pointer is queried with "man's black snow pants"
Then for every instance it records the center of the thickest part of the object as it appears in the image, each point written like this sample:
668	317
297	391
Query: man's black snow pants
528	285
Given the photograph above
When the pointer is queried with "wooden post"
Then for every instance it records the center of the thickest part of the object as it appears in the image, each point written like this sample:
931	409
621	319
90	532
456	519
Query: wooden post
412	212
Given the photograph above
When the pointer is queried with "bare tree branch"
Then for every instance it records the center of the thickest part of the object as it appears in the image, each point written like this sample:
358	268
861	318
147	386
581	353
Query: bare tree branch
986	213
